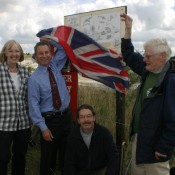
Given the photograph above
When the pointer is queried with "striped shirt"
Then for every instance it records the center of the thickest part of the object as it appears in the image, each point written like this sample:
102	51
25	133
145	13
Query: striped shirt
13	104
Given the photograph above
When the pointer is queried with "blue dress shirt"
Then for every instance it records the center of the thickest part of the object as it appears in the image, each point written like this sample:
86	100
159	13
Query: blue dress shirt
39	89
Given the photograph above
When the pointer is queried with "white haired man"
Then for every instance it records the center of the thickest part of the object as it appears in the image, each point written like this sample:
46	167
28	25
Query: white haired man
153	119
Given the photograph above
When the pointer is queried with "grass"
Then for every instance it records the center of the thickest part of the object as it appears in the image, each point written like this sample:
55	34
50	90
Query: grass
32	160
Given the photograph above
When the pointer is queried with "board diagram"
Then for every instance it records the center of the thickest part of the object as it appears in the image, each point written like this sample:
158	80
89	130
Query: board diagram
104	26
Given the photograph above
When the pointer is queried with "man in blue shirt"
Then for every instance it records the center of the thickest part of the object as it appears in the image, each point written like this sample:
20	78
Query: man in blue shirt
55	124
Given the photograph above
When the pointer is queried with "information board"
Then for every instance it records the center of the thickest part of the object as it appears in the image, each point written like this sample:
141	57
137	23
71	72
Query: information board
104	26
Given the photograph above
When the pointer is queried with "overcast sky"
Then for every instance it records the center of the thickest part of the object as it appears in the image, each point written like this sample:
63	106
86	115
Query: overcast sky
21	20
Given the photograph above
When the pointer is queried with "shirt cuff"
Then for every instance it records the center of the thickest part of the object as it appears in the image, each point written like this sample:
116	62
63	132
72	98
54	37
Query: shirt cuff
43	126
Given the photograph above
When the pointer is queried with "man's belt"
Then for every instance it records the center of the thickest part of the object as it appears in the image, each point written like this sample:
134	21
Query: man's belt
50	114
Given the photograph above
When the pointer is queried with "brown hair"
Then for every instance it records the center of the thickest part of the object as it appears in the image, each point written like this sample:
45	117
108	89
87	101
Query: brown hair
85	106
40	43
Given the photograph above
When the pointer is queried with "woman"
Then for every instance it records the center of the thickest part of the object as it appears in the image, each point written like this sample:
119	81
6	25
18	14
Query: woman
14	119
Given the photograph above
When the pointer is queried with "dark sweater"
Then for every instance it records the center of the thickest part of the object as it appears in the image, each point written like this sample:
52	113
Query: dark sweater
101	153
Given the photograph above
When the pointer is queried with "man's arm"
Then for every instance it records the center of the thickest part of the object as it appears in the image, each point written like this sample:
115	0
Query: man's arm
60	57
133	59
34	109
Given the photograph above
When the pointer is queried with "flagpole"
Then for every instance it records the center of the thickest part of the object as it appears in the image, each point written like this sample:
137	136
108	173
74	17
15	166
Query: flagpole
120	127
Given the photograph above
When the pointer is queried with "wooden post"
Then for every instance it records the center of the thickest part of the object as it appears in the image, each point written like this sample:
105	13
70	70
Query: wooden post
120	125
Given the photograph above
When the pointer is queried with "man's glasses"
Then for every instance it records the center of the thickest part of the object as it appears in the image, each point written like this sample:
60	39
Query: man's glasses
88	116
148	56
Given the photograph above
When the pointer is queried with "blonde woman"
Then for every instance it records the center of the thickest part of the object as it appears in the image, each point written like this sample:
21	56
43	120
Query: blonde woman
14	119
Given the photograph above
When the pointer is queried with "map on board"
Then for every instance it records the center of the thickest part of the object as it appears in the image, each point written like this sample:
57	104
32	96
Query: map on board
102	27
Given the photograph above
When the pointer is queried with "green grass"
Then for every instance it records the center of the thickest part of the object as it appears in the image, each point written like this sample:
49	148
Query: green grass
32	160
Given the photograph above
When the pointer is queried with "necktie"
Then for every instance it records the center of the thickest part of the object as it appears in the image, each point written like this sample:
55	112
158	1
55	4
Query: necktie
54	88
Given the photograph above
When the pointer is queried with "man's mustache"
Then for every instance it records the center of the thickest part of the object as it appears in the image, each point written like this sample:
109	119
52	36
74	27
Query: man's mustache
87	123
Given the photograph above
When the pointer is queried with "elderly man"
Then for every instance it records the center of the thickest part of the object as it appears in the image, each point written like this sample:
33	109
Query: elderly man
153	120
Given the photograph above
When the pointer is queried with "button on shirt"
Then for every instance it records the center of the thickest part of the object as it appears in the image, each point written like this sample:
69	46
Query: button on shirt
39	90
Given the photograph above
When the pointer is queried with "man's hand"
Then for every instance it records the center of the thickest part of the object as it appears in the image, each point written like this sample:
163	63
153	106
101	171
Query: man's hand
128	20
45	39
159	155
128	25
47	135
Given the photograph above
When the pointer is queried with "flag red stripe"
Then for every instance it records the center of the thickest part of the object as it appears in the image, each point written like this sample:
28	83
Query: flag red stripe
92	53
90	66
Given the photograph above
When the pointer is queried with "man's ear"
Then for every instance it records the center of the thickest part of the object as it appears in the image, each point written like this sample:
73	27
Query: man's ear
34	56
164	59
78	121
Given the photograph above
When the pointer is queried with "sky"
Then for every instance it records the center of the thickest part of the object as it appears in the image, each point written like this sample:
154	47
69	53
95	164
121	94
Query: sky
22	20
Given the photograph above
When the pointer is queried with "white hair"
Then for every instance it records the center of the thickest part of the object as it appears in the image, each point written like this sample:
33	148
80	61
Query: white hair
159	46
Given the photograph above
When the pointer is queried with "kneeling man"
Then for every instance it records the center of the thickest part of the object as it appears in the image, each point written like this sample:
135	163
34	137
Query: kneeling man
90	149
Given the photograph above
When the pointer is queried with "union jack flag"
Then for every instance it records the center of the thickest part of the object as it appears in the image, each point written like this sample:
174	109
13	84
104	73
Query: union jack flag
89	57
